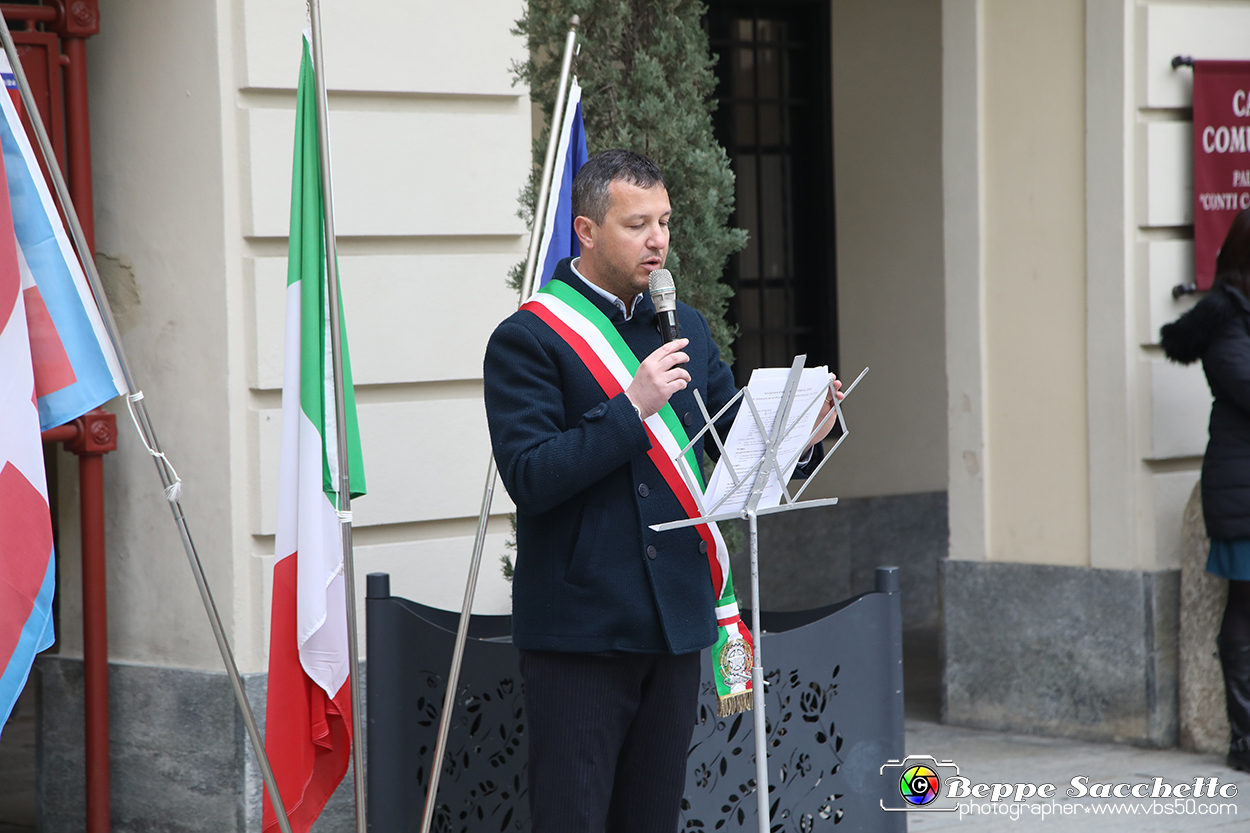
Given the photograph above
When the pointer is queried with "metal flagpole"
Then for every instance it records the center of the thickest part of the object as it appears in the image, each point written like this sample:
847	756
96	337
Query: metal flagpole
549	162
340	411
138	412
475	563
757	679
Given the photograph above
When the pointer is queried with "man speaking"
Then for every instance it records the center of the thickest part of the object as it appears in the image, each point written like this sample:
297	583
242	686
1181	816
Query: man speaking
609	616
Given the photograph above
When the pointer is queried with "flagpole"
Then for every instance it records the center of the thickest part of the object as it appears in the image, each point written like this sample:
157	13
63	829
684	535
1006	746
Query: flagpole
139	413
527	283
549	163
340	410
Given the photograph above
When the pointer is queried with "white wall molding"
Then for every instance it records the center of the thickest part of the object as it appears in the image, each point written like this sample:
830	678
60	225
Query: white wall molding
963	196
1111	370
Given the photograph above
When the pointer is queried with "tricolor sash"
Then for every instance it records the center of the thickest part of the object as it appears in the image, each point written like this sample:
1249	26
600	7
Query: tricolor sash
611	362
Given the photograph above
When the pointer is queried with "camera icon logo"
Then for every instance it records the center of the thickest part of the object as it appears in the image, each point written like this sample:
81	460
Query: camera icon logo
916	784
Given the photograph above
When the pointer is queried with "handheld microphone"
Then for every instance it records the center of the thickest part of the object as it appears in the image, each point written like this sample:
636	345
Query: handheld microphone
664	296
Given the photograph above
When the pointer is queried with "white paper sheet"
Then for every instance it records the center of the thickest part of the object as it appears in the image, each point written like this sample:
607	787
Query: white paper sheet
746	444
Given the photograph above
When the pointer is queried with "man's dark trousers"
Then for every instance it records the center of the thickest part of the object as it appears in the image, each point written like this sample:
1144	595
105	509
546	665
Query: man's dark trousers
609	734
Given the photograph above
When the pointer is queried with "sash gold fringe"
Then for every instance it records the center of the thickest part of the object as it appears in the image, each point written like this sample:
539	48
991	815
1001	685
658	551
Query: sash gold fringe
733	704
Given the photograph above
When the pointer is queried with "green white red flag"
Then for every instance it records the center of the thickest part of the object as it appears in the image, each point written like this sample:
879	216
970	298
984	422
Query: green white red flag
308	726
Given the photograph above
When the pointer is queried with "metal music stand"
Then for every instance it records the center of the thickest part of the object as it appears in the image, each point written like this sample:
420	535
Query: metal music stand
767	465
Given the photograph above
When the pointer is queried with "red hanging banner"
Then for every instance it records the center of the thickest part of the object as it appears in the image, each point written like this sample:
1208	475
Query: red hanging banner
1221	157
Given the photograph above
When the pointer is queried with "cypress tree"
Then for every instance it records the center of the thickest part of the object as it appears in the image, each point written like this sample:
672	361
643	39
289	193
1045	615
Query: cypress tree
646	74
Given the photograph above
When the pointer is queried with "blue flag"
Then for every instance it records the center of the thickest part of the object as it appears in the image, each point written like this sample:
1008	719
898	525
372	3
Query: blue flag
559	241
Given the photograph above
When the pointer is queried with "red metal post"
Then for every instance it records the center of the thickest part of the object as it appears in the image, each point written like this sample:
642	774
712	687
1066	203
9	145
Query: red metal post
35	14
61	434
94	434
97	435
79	20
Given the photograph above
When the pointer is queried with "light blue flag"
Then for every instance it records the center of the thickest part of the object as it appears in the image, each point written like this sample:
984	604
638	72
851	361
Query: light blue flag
75	366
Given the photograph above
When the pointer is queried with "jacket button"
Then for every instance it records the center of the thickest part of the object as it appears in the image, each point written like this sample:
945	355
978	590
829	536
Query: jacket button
651	553
687	419
644	491
703	547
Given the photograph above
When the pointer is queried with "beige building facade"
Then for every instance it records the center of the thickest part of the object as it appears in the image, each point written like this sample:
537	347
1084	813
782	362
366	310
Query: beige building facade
193	108
1013	207
1074	445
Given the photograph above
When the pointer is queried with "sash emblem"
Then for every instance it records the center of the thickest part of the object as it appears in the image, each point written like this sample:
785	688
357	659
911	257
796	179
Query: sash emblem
735	662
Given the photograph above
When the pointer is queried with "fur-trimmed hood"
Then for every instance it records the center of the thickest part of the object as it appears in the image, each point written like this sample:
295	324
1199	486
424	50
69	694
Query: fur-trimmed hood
1187	338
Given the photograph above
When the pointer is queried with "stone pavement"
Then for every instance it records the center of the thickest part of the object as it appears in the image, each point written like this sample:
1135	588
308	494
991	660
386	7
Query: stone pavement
995	757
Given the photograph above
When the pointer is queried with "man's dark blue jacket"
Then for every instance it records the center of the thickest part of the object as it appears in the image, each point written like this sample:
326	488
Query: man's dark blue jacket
590	574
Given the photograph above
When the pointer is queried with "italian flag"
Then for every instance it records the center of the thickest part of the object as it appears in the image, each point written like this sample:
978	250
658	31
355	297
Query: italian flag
308	727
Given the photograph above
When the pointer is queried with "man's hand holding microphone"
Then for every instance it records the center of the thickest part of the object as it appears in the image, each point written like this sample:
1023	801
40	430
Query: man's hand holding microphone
661	374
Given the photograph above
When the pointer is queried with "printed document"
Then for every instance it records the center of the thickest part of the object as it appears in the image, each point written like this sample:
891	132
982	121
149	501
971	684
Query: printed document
746	444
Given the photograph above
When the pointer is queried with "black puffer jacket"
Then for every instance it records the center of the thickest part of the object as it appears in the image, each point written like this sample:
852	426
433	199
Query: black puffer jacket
1217	331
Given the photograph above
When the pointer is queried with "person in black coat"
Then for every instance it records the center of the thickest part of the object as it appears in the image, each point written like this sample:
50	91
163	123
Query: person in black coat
1217	331
609	616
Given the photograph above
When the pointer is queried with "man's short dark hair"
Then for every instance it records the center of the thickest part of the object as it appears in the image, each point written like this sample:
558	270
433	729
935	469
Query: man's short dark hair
591	197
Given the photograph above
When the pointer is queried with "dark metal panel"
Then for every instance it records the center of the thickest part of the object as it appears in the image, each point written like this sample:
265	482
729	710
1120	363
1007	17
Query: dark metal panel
835	709
483	782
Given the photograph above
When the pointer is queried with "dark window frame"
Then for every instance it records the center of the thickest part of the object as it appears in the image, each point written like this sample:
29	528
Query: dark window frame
785	282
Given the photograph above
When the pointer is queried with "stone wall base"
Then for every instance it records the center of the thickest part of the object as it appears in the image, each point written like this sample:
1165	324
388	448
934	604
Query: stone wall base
1203	714
1066	651
181	759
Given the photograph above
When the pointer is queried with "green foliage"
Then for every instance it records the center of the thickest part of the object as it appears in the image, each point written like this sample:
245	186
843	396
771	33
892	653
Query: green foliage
505	560
646	75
